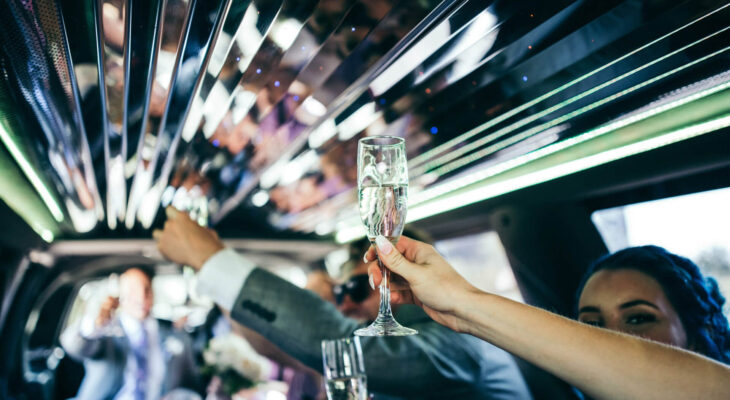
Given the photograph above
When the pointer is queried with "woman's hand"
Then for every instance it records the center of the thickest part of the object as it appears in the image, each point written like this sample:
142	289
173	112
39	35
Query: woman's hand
431	282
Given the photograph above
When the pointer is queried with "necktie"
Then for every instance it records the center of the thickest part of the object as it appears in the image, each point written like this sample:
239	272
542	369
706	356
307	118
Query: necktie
139	350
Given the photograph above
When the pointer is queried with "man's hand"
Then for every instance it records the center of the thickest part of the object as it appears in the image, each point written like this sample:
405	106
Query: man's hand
184	241
106	311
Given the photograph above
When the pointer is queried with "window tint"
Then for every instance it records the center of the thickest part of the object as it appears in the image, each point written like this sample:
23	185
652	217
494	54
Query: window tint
482	260
696	226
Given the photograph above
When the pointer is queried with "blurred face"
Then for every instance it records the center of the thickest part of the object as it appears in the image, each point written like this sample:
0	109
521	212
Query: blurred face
367	309
630	301
135	294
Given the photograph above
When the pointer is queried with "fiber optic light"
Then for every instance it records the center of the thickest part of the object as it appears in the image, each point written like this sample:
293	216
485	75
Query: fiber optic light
32	175
488	124
487	191
467	180
459	163
454	154
450	196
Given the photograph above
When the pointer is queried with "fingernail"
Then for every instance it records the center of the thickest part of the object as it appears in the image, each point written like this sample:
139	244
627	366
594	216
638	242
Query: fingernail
156	234
383	244
365	258
171	212
370	279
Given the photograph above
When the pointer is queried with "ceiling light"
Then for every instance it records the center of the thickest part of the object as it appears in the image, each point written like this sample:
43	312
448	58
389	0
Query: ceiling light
358	121
487	191
314	107
588	150
31	174
260	198
324	132
445	147
284	33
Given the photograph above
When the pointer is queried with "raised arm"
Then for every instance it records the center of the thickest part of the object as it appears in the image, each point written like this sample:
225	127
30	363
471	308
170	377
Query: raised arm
602	363
296	320
86	339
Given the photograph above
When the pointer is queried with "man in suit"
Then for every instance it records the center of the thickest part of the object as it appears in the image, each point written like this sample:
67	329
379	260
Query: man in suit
127	354
435	364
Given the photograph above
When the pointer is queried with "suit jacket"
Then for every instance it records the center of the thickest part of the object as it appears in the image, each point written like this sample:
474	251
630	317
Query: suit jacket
438	363
105	358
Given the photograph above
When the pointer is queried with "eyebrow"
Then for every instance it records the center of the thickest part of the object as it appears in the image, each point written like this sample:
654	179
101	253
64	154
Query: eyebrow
632	303
624	306
628	304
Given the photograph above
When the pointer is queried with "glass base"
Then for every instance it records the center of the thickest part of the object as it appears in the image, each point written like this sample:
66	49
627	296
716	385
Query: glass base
385	327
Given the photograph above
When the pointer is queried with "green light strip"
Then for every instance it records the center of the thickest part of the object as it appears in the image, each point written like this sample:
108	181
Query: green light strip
465	181
488	191
452	155
485	184
31	174
467	135
540	128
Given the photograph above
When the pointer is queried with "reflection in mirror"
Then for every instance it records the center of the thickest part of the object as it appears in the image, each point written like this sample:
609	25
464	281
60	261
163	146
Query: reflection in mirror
167	49
234	108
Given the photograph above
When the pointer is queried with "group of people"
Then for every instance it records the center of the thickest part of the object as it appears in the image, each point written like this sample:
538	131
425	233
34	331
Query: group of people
649	325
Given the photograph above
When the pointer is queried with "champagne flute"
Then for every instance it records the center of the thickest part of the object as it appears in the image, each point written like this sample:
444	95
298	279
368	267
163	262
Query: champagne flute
344	369
382	176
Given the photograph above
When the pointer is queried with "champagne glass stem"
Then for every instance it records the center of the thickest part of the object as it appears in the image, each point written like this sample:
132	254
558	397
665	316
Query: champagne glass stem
385	310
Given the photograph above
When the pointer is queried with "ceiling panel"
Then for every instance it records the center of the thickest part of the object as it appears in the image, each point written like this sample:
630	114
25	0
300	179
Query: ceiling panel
247	113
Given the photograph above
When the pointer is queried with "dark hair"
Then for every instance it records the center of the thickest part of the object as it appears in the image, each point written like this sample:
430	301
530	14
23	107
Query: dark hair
696	299
147	270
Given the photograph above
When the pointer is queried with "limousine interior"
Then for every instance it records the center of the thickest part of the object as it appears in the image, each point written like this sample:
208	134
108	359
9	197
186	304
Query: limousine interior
539	134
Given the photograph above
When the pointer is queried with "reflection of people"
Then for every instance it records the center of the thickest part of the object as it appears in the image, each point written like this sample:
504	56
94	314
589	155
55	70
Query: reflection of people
127	354
603	364
437	363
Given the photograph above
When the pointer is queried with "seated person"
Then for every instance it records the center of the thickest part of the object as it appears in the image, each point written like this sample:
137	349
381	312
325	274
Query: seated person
128	354
435	364
646	291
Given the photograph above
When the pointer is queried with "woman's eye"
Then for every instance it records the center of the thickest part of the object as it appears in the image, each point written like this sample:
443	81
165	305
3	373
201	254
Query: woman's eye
594	322
640	319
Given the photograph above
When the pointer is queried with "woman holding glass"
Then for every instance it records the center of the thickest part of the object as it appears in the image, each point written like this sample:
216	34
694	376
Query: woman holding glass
601	363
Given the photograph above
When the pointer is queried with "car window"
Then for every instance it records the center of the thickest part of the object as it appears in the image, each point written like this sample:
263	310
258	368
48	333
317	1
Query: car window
696	226
482	260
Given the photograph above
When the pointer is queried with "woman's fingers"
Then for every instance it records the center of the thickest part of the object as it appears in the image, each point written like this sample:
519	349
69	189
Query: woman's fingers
375	276
370	255
393	259
400	292
402	297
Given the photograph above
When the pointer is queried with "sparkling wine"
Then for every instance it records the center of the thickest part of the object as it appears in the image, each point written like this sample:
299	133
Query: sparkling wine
383	210
352	388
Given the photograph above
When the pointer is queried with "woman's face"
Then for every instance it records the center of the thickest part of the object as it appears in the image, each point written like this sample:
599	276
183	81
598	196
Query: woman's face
630	301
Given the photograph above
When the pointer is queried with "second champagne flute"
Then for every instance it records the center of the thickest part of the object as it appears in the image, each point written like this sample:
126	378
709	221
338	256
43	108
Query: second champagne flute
382	176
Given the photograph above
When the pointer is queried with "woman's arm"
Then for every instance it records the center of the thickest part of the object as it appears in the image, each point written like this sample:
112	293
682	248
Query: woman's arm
602	363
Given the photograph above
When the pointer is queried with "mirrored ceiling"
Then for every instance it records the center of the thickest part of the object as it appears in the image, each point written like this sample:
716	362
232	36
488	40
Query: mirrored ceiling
111	110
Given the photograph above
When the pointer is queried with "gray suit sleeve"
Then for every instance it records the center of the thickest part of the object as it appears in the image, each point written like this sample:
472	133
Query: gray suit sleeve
80	347
297	321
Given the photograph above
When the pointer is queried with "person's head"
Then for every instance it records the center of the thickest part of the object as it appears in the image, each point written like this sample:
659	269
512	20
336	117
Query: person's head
650	292
135	293
354	297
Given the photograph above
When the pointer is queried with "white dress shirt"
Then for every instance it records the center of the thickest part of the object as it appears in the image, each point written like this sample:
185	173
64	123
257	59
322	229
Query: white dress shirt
222	277
155	358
